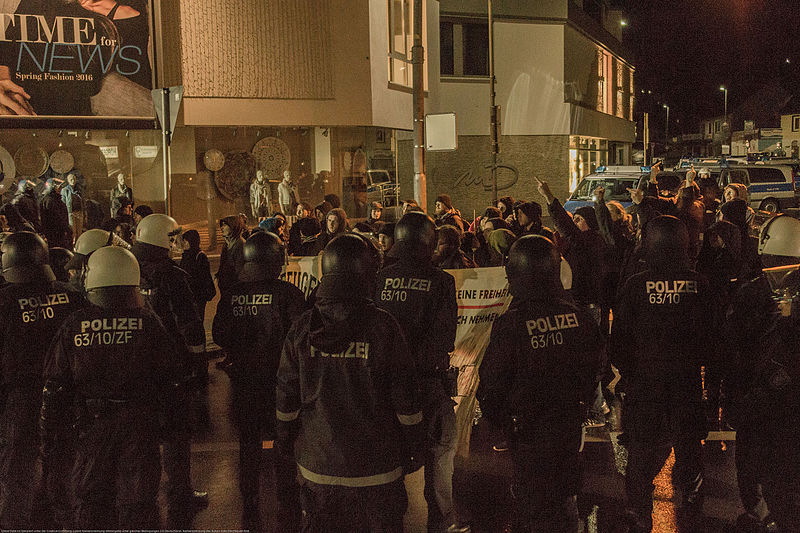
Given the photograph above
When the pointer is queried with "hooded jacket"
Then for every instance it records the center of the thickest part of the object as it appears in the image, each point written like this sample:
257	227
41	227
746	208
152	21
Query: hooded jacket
584	251
347	375
232	257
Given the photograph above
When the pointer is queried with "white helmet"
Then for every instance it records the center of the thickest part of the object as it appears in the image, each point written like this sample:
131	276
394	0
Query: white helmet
156	230
112	266
85	245
704	172
780	236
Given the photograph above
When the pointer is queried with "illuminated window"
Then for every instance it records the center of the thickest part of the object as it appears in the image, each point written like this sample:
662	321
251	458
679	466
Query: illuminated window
630	109
401	41
605	85
620	91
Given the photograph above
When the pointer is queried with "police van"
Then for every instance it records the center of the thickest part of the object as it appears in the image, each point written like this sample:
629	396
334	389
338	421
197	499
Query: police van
771	187
615	180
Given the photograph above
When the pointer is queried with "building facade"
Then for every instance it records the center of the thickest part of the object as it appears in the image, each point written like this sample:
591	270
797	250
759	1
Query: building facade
319	88
564	86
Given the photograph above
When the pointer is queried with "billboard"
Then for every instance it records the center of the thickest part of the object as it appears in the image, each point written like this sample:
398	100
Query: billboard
75	58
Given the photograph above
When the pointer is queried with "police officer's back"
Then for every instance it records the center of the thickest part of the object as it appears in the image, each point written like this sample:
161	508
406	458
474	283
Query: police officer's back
422	298
251	323
663	323
346	379
113	362
32	307
544	359
761	340
167	292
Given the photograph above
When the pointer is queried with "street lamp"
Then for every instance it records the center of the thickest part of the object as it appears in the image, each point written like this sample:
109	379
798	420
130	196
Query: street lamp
665	106
725	90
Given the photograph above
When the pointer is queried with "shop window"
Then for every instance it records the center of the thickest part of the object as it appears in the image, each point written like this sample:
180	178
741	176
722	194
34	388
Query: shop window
604	82
401	41
464	46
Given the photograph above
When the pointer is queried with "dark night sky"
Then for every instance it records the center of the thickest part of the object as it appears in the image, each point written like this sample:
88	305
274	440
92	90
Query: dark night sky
685	49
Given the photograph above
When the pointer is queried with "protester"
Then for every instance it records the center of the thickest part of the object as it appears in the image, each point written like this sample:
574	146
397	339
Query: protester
446	214
25	200
336	223
195	263
500	241
374	216
231	259
448	253
528	216
55	218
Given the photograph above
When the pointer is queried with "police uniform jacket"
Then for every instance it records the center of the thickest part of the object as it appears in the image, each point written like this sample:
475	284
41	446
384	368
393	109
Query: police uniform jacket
347	375
662	330
166	290
251	323
123	355
30	315
545	357
422	298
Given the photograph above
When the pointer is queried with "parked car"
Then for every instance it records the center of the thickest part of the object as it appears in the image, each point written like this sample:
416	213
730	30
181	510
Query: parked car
771	187
615	180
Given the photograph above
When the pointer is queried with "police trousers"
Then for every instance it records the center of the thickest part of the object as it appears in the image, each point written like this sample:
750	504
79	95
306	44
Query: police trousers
768	476
376	509
645	461
117	470
19	456
441	438
546	483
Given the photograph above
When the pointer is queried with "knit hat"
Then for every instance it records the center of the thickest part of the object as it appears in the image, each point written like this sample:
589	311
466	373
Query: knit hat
532	210
588	214
500	240
735	212
446	201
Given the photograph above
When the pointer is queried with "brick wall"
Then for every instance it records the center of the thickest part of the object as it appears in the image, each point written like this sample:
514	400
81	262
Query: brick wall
464	174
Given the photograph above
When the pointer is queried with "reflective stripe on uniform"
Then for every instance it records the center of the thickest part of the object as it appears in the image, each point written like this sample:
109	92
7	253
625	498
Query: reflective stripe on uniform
287	417
364	481
410	420
200	348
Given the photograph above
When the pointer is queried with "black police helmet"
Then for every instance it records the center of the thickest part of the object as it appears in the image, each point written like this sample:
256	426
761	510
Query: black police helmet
534	265
263	256
59	257
350	254
667	243
25	259
415	235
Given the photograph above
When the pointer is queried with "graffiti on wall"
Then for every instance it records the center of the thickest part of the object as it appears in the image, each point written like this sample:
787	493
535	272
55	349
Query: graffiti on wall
507	176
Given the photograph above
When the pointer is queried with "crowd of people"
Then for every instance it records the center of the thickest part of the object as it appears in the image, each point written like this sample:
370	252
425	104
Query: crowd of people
347	391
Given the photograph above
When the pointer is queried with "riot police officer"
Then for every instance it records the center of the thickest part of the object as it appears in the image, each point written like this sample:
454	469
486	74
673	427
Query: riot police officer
166	290
762	343
662	323
32	307
85	246
346	378
110	368
422	298
251	324
545	357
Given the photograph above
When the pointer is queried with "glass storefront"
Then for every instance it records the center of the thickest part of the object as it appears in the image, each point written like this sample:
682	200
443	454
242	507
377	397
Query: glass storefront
585	155
212	168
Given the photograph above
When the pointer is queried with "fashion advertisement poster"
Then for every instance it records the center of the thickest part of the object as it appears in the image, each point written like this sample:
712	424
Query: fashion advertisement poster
84	58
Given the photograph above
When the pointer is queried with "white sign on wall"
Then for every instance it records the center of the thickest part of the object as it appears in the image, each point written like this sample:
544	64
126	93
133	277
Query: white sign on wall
110	152
145	152
440	132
